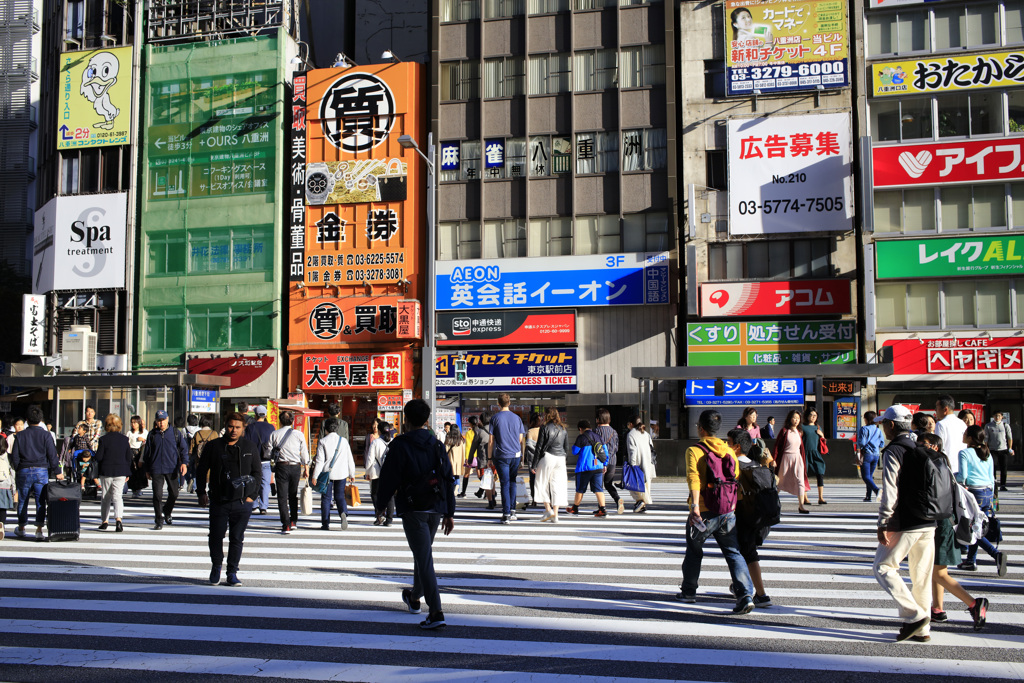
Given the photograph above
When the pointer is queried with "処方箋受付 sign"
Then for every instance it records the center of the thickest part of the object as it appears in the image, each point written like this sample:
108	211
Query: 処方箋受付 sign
772	343
702	392
534	369
965	256
554	282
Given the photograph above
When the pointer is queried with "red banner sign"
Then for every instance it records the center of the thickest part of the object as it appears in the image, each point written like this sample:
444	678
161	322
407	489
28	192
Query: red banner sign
488	328
975	356
777	298
328	372
965	161
241	371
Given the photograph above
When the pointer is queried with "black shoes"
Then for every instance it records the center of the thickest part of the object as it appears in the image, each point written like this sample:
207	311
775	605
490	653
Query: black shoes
233	580
413	605
103	526
744	606
215	575
118	526
435	620
1001	564
978	612
480	493
940	617
911	629
167	520
158	526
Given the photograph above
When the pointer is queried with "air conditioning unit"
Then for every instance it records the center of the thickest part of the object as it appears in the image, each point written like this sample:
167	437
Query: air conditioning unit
78	354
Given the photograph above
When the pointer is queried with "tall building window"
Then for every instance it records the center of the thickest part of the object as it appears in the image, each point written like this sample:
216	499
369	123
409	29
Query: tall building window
949	208
769	259
955	27
550	237
642	65
235	326
550	154
596	70
503	77
645	232
547	6
503	239
597	152
550	73
953	304
458	240
494	9
166	253
460	80
229	250
459	10
598	234
165	329
644	149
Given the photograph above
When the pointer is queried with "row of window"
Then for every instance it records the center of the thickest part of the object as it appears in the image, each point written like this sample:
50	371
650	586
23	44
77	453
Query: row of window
465	10
770	260
554	236
197	252
945	209
585	71
643	149
209	328
945	27
950	115
100	169
952	304
200	99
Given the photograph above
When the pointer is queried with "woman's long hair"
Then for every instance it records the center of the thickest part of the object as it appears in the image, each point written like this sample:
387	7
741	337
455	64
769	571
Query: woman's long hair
789	419
746	413
454	438
551	416
979	442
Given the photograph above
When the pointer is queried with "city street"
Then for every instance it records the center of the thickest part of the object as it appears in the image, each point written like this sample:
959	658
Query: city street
585	600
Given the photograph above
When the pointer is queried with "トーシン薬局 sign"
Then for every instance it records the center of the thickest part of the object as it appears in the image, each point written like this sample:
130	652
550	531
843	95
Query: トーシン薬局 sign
505	370
790	174
554	282
775	391
95	100
964	161
966	256
785	46
772	343
492	327
947	73
780	297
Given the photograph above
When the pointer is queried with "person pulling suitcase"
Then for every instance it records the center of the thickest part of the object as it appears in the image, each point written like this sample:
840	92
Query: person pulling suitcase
33	458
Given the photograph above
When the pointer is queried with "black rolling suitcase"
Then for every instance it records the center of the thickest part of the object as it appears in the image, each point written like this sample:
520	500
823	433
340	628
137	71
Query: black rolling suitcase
63	503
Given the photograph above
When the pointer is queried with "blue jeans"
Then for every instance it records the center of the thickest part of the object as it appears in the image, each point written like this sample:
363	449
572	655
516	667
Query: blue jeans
723	528
984	498
867	473
507	469
420	529
262	501
335	494
31	480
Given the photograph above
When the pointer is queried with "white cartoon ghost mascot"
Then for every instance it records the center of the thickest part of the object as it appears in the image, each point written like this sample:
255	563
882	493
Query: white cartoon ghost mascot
97	80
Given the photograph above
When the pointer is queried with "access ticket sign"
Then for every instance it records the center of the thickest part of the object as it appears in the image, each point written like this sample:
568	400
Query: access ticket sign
493	327
790	174
965	161
958	357
519	370
777	46
783	297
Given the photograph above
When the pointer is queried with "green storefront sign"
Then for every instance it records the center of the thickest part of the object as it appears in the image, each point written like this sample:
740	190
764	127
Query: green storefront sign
967	256
772	343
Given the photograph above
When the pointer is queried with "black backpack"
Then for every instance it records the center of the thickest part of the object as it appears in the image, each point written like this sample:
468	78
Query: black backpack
760	503
935	497
424	489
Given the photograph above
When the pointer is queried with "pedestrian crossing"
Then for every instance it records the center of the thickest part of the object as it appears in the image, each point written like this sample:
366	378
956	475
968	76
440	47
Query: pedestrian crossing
585	600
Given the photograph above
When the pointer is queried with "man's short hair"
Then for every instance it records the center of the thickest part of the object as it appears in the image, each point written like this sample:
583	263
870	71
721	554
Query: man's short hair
417	412
473	421
35	415
193	420
583	424
504	400
710	421
334	409
234	417
741	437
286	418
604	417
946	401
998	413
920	420
206	422
635	418
485	419
869	417
933	439
330	425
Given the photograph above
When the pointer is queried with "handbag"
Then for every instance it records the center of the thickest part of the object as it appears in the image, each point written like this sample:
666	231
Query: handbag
822	446
487	483
241	487
633	478
323	482
352	495
306	501
6	499
994	533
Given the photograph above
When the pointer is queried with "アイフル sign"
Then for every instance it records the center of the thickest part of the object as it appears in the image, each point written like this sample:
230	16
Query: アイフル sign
966	256
790	174
772	343
965	161
520	370
744	392
773	298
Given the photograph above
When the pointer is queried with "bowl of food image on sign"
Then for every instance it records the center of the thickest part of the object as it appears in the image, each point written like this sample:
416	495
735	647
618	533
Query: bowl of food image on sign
319	183
368	180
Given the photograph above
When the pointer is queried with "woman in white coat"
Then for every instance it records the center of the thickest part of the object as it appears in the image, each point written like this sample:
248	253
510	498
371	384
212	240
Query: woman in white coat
638	449
548	466
333	448
373	460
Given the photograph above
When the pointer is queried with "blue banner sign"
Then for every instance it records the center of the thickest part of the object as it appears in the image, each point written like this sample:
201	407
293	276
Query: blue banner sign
701	392
515	370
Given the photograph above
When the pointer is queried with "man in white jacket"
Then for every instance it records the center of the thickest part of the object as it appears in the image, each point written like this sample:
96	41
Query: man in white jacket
334	461
288	454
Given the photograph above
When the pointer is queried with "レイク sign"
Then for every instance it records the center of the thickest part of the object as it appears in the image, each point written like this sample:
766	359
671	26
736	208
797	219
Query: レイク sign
790	174
966	161
784	297
744	392
966	256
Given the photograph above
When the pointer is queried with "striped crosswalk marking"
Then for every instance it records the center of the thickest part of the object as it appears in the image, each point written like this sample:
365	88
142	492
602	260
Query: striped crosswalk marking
585	600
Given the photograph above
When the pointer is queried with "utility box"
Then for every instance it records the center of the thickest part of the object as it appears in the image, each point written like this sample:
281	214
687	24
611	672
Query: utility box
78	353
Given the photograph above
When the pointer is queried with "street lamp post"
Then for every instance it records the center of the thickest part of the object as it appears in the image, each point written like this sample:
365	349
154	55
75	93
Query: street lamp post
429	350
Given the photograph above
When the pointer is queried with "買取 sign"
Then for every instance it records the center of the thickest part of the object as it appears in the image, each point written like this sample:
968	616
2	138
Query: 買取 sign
772	343
776	46
554	282
204	401
790	174
966	256
701	392
534	370
946	73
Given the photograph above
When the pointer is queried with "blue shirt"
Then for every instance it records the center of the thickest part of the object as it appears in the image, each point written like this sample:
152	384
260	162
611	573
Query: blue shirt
974	471
506	427
870	440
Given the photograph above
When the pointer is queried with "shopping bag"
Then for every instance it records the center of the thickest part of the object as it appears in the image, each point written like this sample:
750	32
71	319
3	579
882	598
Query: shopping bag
633	478
306	501
522	493
487	483
352	495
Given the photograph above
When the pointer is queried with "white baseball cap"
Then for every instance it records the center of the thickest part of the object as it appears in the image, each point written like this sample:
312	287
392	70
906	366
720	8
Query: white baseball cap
896	413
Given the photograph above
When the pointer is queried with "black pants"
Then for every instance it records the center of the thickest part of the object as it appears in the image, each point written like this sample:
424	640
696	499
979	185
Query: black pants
609	477
390	514
161	509
231	518
287	480
1002	457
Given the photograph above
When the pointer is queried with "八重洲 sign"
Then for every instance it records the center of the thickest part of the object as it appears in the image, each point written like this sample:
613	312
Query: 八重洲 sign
790	174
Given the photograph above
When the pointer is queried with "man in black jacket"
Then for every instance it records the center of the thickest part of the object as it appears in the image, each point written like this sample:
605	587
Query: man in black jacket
233	465
418	474
33	458
164	457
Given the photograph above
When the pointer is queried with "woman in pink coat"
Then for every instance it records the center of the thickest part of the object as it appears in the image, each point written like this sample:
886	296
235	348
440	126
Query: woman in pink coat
791	460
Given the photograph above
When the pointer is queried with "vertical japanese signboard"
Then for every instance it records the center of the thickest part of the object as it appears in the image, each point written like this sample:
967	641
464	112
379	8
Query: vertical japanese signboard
790	174
296	199
95	100
33	328
774	46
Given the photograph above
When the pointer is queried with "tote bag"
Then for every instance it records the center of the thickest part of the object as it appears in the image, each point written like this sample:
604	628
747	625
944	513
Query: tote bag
633	478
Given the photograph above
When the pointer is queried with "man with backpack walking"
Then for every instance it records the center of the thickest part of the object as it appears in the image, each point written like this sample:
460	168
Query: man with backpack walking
591	460
259	433
417	473
905	531
165	459
711	473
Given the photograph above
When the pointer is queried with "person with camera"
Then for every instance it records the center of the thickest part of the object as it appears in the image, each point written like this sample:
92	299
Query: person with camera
235	477
418	474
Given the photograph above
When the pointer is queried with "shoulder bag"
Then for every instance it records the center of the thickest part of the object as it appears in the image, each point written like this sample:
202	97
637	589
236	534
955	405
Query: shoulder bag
323	482
240	487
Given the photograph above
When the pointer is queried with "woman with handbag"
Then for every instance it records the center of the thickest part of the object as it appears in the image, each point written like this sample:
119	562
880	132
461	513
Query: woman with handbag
639	453
136	440
548	467
790	460
977	472
333	468
373	460
8	491
815	448
455	447
532	435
